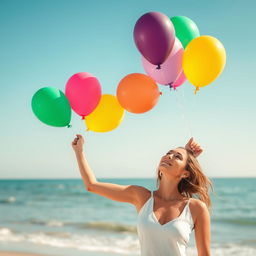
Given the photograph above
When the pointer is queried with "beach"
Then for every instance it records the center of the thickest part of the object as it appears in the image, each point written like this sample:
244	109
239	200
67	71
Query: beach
61	218
17	254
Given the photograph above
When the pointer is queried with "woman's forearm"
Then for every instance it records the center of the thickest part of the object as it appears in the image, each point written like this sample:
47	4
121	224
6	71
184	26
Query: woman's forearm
85	170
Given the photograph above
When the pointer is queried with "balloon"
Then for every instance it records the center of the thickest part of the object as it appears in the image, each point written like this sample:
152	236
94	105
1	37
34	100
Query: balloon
170	69
179	81
137	93
107	115
203	60
51	106
185	29
83	91
154	36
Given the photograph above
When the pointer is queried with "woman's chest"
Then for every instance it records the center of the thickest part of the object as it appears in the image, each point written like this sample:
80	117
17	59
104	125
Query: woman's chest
166	212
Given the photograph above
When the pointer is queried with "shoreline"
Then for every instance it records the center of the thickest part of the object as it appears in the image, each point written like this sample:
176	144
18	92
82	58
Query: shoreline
12	253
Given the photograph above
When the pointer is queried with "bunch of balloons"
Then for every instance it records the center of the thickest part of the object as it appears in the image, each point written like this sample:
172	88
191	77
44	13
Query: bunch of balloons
83	95
172	51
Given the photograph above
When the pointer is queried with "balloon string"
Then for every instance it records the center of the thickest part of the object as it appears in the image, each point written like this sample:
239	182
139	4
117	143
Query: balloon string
183	110
188	119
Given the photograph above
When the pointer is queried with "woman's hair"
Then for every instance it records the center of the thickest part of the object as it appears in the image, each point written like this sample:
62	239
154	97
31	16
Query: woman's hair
197	184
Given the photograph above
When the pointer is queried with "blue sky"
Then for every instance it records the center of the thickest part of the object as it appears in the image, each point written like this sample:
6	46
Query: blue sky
43	43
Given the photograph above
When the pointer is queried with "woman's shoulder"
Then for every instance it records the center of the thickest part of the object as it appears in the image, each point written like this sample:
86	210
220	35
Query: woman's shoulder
197	207
197	203
143	194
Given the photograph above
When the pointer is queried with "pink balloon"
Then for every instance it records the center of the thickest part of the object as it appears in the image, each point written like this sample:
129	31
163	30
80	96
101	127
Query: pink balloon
83	91
179	81
170	69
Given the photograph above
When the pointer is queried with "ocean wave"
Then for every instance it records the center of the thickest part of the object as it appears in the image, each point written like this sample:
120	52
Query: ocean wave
109	226
124	244
228	249
49	223
5	231
9	200
237	221
121	227
96	225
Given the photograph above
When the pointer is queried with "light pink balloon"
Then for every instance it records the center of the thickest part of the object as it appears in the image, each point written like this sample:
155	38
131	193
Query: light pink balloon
170	69
179	81
83	91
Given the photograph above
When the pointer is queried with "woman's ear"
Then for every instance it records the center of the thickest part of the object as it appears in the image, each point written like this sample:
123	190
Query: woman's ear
186	175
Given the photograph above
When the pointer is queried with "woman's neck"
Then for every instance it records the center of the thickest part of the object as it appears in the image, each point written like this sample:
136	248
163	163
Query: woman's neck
168	190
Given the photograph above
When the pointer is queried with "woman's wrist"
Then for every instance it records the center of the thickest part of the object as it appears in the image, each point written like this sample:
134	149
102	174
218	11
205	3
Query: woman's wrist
79	152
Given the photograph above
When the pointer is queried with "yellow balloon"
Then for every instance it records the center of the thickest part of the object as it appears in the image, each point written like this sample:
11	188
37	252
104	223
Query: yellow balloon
106	116
203	60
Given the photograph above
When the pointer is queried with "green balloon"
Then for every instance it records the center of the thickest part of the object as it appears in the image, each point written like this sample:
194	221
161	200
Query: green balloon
51	106
185	29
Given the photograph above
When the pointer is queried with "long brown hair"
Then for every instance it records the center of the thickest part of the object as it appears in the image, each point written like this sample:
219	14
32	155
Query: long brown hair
197	184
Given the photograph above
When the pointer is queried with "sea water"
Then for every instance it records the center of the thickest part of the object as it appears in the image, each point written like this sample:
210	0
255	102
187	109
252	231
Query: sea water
59	217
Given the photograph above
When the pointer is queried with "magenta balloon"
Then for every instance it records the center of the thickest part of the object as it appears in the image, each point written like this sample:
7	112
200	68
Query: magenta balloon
83	91
154	36
179	81
170	69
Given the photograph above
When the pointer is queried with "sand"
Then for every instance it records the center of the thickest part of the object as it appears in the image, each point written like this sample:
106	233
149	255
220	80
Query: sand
18	254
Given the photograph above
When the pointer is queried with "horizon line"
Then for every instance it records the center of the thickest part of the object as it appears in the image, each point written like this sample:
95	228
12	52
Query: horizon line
48	178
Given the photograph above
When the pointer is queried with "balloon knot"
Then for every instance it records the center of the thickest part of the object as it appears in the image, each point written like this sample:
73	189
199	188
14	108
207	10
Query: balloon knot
172	86
161	93
158	66
69	126
196	90
82	118
87	130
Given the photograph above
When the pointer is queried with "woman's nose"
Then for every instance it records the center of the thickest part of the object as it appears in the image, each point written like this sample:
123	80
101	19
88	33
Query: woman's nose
170	156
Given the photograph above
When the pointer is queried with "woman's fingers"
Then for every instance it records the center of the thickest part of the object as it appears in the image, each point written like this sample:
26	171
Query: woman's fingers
75	141
190	141
194	146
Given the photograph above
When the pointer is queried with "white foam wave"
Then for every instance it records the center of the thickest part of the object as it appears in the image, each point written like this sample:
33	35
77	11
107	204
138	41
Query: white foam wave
7	235
101	243
227	250
5	231
122	244
54	223
9	200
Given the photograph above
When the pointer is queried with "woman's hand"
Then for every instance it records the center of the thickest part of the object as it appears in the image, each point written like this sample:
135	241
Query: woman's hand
77	143
194	147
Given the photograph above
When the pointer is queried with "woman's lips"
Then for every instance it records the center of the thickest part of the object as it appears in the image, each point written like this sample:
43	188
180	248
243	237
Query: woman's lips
164	162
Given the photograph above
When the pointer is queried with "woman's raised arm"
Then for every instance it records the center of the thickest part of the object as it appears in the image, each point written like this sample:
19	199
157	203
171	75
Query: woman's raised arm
121	193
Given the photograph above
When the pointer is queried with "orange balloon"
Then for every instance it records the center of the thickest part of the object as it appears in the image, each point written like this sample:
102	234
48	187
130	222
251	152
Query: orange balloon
137	93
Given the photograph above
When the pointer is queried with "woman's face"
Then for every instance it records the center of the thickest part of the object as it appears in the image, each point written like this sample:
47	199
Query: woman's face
173	164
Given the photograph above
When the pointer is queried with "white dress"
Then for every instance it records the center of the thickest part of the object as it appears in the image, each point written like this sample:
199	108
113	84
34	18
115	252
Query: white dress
170	239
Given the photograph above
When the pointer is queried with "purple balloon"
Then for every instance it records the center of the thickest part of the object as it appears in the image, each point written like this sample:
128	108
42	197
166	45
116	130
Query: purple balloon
154	36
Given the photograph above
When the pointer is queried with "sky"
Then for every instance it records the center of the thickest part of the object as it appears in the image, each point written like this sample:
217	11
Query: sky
45	42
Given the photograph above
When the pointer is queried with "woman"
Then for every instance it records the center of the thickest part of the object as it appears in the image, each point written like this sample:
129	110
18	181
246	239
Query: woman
167	216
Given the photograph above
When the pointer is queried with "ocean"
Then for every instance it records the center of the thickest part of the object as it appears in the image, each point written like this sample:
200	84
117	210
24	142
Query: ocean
59	217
